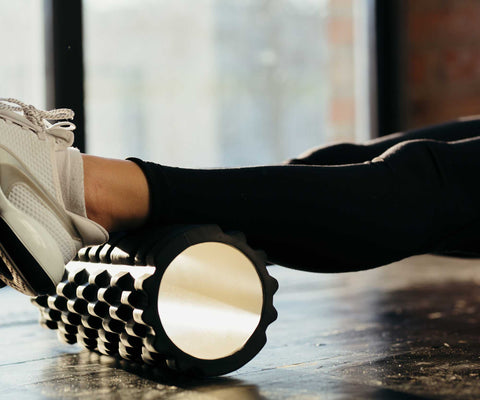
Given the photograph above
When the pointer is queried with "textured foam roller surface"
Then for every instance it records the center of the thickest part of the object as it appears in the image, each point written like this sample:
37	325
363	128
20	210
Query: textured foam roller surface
112	300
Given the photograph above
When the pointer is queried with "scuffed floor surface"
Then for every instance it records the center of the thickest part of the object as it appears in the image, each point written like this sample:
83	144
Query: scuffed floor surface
408	330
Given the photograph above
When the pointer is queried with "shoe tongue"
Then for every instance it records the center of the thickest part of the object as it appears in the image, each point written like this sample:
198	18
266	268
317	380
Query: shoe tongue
90	232
70	175
14	116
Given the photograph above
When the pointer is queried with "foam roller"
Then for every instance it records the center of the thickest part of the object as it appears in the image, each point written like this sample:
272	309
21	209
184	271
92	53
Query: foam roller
191	299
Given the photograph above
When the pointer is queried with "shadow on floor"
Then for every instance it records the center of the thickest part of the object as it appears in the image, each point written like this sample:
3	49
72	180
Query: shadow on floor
425	342
87	373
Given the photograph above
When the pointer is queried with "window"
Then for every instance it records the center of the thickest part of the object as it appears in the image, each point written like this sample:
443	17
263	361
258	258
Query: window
205	83
218	82
23	63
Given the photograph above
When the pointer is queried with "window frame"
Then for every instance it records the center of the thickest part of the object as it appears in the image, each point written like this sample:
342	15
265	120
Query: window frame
64	60
387	97
390	58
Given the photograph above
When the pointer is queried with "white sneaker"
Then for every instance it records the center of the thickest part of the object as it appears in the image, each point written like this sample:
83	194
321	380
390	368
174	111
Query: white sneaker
38	236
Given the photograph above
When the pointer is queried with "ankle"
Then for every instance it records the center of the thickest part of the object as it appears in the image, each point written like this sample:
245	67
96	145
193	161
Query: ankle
71	177
96	204
116	193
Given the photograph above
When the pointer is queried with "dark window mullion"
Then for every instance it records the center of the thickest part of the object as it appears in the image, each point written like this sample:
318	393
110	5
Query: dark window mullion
391	65
64	60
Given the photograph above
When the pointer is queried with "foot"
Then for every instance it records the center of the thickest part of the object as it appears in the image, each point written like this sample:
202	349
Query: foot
38	235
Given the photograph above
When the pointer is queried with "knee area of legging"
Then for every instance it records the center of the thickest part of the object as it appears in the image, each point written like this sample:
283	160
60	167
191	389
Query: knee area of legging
420	160
339	153
421	151
420	148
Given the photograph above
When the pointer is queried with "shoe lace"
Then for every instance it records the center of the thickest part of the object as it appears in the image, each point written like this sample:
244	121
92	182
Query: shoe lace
61	131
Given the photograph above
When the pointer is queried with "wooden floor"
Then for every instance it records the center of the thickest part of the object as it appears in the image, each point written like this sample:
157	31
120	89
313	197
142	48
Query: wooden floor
409	330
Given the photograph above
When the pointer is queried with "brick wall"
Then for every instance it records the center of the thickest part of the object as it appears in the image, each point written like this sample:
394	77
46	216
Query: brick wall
443	60
341	97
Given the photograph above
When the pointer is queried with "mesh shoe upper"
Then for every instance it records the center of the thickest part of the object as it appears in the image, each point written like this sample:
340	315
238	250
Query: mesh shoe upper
37	155
34	143
25	199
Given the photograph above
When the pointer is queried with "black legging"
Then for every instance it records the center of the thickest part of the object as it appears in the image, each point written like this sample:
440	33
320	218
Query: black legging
344	207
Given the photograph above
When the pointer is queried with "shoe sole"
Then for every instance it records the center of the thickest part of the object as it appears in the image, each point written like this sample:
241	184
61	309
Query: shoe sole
18	268
30	260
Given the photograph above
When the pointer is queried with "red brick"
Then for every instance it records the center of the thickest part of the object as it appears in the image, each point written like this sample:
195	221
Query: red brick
342	110
418	69
423	6
444	108
461	64
340	31
426	28
445	24
443	60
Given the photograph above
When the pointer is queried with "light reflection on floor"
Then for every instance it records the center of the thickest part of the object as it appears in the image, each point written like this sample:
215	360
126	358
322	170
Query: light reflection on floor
408	330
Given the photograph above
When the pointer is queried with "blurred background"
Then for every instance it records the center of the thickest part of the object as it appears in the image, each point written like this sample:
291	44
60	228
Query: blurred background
210	83
191	83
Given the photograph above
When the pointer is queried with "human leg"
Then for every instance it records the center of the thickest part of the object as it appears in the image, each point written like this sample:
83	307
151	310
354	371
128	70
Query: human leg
352	153
116	193
105	187
411	200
